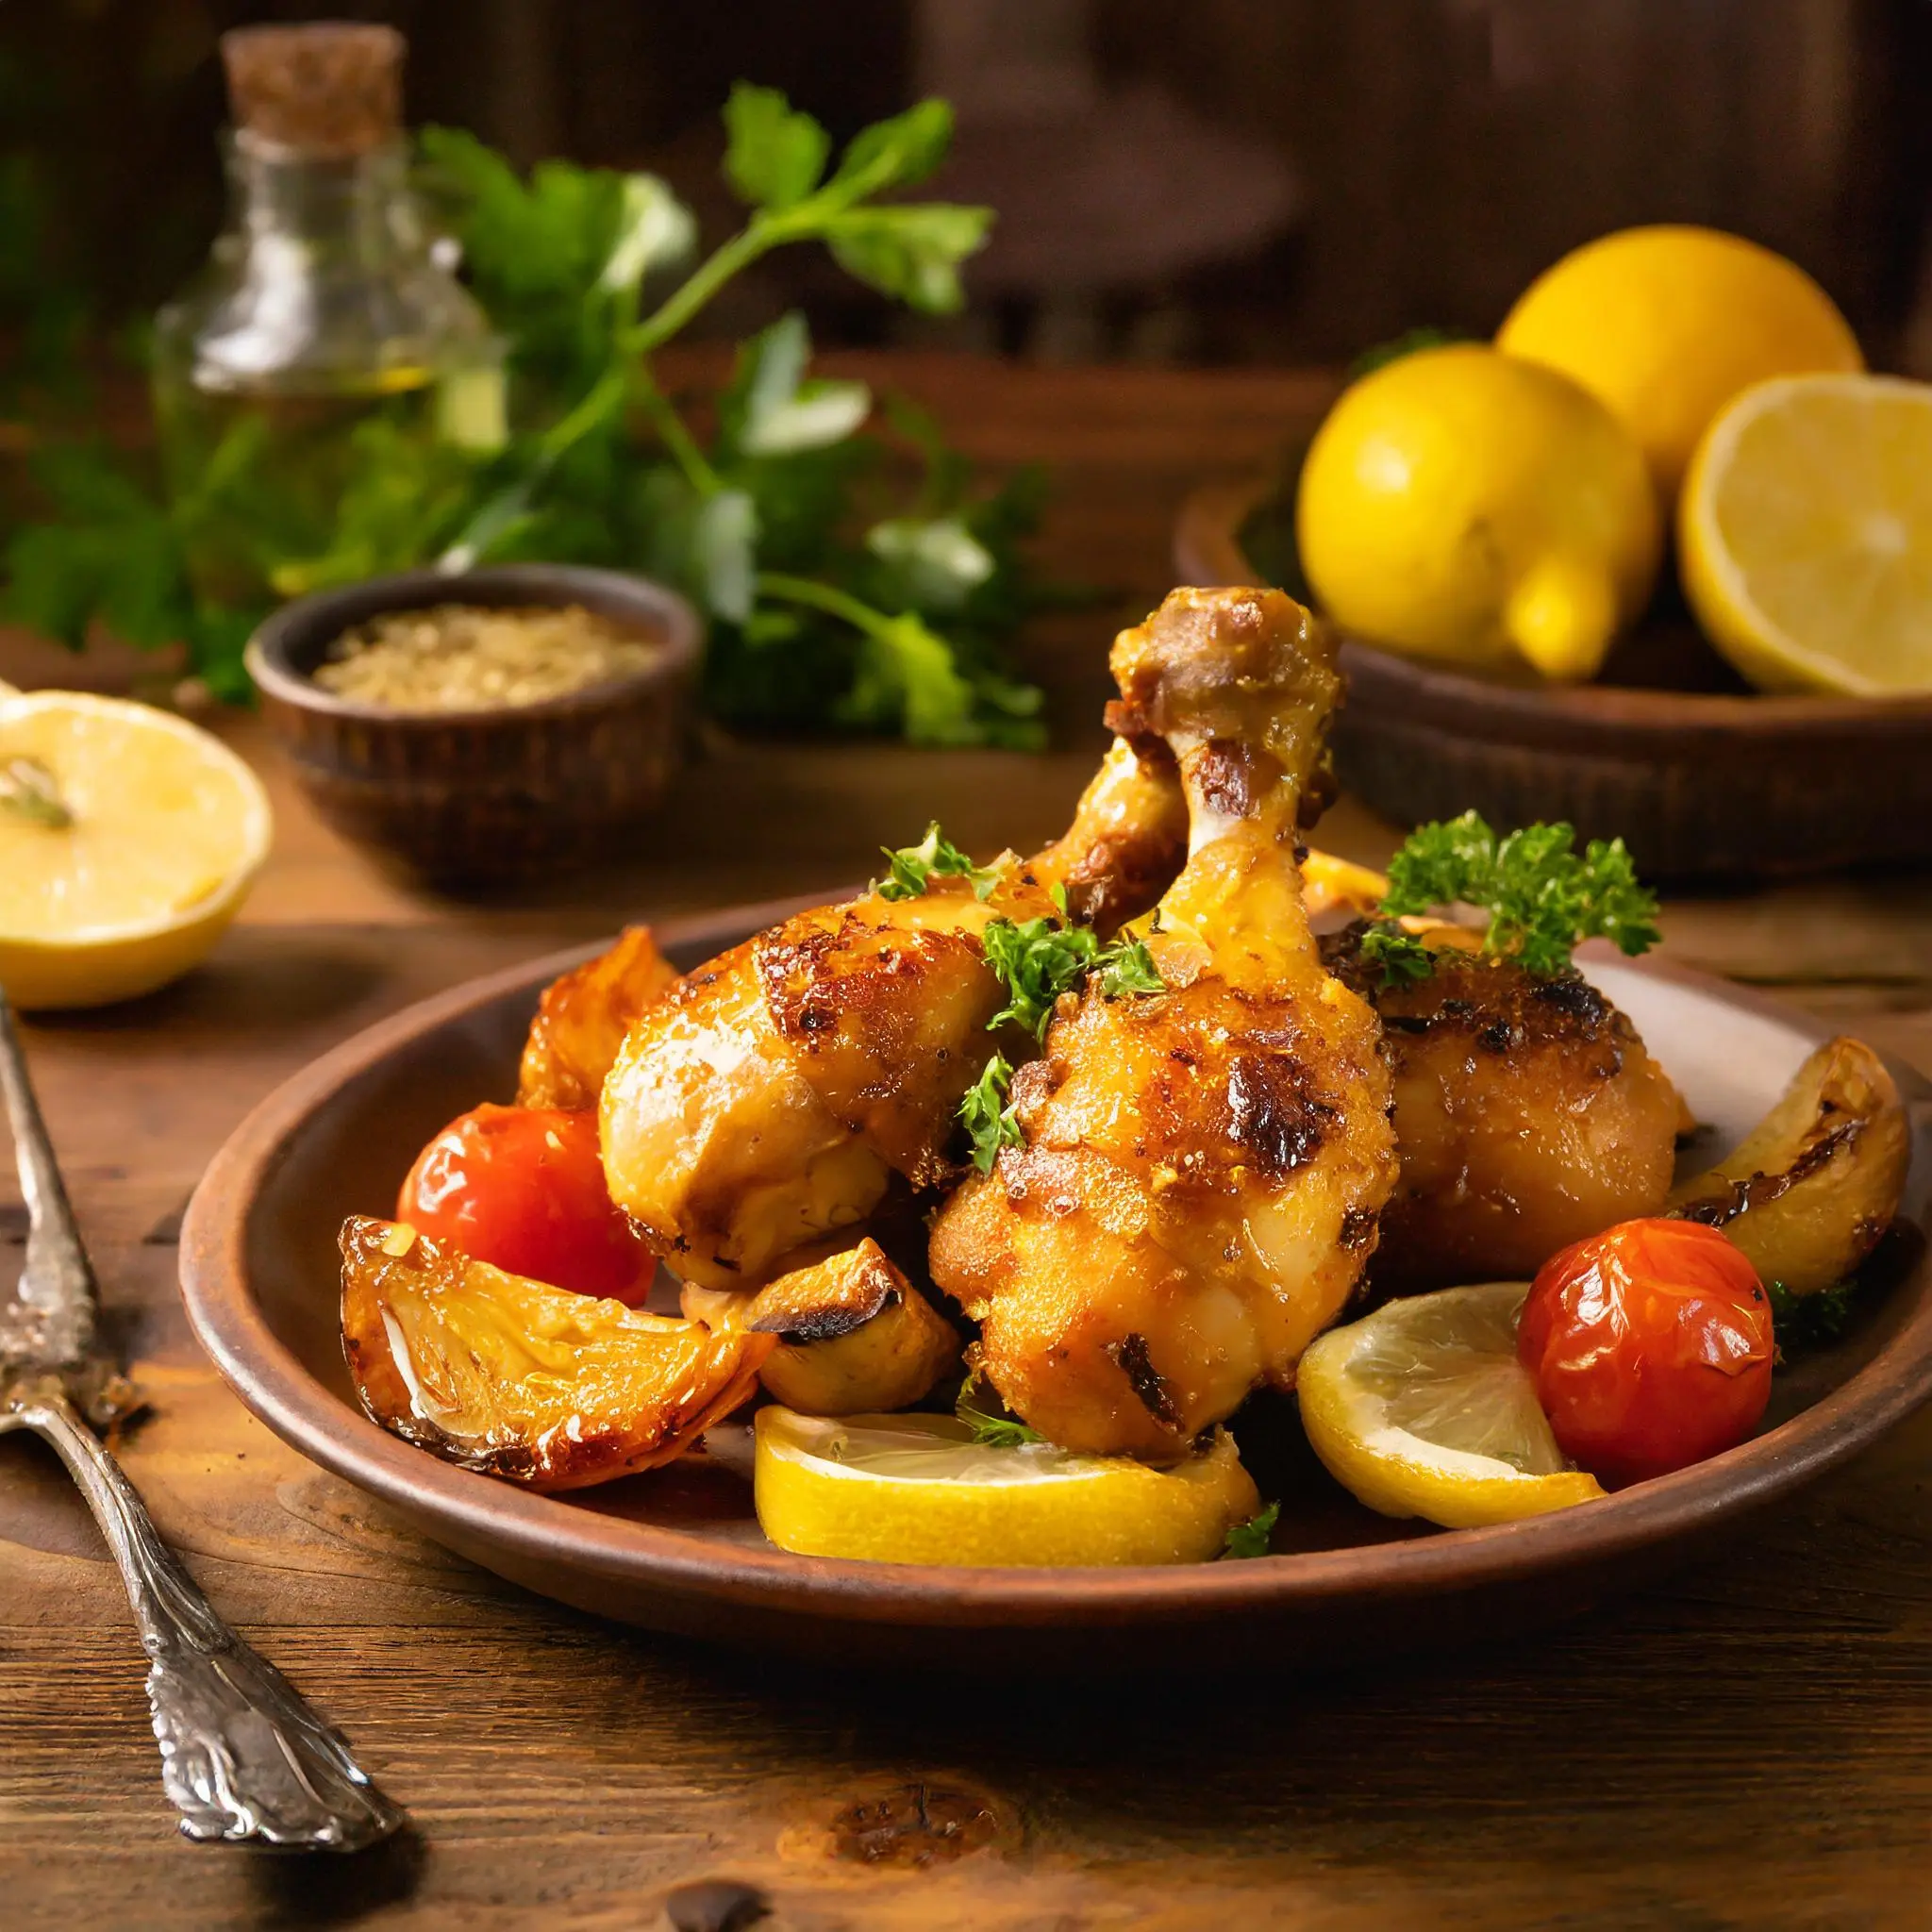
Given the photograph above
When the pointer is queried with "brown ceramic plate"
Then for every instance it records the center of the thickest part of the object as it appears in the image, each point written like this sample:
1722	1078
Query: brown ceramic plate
1702	778
679	1549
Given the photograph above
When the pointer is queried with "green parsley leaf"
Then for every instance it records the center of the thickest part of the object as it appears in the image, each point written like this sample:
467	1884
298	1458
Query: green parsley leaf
1039	959
898	152
991	1431
774	155
1402	957
771	410
1810	1321
934	855
1543	897
987	1116
911	252
1250	1539
1128	967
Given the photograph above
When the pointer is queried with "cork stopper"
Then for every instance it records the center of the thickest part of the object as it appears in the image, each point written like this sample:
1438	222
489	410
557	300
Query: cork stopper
329	90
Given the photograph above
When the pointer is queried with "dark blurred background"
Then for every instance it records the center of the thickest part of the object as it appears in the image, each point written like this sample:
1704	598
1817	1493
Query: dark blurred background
1199	180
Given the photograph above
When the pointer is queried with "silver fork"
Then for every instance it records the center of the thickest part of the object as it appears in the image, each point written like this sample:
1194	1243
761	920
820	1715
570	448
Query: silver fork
244	1759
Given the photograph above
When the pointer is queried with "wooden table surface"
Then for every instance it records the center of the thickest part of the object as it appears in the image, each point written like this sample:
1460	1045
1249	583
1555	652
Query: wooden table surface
1749	1745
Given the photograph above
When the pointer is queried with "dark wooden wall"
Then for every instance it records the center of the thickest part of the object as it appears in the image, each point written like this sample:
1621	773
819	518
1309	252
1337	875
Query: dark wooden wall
1443	149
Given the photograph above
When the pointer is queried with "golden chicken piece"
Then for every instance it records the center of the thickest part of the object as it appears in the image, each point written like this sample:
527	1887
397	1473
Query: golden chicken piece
583	1017
775	1094
1201	1168
1527	1113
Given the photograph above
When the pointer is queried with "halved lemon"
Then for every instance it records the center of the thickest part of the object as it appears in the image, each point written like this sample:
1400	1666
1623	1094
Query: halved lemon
1423	1409
128	839
1805	535
918	1488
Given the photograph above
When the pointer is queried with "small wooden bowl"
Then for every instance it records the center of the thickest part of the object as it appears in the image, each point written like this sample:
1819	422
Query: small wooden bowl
1700	784
475	798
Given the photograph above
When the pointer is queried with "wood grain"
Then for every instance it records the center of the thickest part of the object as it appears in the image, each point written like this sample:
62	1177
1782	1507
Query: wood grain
1749	1746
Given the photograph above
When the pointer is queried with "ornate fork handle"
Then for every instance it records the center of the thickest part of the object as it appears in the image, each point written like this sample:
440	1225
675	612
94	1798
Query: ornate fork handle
243	1757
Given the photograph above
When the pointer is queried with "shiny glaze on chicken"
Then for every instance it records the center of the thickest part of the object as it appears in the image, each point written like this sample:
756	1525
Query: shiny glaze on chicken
776	1093
1201	1168
1527	1112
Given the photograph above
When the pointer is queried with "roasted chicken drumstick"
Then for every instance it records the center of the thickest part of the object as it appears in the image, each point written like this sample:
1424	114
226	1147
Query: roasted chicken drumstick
772	1095
1201	1168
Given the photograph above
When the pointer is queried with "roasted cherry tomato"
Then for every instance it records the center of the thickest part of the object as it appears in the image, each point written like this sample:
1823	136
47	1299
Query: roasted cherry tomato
1651	1347
522	1188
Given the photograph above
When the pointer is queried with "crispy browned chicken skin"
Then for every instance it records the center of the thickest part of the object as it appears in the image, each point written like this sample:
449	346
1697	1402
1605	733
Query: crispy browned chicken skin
1201	1168
775	1094
1527	1112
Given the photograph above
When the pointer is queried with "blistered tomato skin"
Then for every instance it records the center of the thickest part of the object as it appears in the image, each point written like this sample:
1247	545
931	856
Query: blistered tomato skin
1651	1345
522	1188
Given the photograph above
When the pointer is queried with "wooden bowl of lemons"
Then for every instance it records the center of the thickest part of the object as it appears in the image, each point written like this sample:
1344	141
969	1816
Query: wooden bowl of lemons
1658	562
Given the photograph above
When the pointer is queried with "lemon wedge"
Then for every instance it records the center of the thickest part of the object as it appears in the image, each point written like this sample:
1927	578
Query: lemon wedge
1806	532
1423	1409
918	1488
128	839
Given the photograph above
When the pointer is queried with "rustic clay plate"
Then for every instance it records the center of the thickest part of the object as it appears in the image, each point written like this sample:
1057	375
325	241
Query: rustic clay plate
1702	778
679	1549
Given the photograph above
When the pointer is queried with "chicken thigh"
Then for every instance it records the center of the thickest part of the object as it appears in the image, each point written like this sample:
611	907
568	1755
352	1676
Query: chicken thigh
1527	1112
1201	1168
772	1096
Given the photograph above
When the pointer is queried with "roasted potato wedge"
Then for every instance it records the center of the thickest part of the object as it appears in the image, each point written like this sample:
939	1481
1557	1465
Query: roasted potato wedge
503	1374
1811	1189
853	1335
583	1017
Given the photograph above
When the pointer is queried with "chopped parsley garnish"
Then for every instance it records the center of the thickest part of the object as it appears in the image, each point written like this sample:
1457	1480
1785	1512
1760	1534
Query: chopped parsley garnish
1039	959
1810	1321
1542	896
934	857
991	1431
1127	966
988	1116
1402	957
1250	1539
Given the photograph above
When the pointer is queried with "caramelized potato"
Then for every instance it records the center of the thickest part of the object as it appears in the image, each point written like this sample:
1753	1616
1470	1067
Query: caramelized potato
853	1335
583	1017
509	1377
1816	1183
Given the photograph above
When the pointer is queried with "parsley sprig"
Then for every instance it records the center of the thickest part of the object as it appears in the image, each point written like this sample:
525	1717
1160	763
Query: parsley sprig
1403	958
1810	1321
987	1115
1250	1539
989	1430
1040	958
1542	896
910	867
830	604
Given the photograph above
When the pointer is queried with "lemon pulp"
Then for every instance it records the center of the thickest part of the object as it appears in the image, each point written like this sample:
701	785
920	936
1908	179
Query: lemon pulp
1806	532
1422	1409
918	1488
158	831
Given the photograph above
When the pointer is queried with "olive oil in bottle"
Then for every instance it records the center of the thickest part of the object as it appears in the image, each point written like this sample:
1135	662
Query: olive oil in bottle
324	364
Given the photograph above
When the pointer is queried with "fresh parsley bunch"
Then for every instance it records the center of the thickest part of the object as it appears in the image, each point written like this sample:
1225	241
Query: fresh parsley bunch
832	605
1542	896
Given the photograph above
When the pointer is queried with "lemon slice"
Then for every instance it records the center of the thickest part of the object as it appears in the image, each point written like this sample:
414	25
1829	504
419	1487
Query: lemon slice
128	837
1423	1409
918	1488
1806	530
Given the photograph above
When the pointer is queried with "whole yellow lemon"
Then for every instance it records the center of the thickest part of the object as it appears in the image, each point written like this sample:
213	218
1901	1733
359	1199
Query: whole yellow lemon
1462	505
1666	325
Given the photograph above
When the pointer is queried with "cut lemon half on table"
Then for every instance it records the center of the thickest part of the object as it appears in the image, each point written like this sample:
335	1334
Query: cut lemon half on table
918	1488
1423	1409
1806	534
128	839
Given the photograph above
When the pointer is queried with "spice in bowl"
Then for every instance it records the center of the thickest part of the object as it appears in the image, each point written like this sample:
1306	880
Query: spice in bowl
473	658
